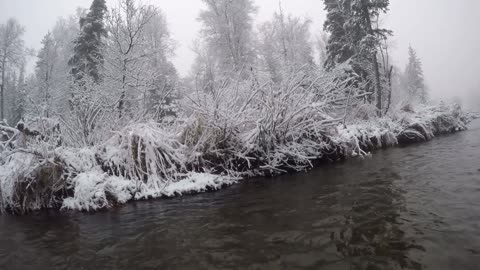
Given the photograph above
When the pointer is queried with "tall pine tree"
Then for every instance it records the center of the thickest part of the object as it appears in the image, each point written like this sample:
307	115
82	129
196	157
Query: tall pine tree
87	58
413	78
354	38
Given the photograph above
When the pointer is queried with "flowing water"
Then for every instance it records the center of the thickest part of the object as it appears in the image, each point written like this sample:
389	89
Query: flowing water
416	207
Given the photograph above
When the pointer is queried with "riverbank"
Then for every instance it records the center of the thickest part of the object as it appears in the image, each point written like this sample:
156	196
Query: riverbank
146	161
403	208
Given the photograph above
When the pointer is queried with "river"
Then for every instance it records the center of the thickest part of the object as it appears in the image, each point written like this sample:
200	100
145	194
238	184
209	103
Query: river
415	207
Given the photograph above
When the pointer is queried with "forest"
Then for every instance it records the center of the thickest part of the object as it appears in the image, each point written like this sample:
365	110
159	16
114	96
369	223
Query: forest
105	118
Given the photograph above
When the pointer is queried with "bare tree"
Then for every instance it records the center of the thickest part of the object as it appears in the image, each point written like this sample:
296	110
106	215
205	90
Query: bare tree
11	53
126	26
285	44
227	31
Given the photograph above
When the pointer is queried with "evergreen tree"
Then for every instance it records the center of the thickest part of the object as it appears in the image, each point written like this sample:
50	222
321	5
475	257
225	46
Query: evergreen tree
340	47
354	38
413	76
87	58
44	71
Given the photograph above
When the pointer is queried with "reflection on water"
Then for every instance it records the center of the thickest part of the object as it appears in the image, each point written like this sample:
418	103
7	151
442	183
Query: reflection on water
416	207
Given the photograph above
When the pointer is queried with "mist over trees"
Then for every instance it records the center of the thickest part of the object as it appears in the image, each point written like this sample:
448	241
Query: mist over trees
12	62
284	45
119	60
226	46
413	78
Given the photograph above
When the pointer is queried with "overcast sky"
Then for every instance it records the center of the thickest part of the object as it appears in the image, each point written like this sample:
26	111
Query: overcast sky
445	33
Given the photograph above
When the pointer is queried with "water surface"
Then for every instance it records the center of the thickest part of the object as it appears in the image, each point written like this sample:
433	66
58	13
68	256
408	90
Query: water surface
416	207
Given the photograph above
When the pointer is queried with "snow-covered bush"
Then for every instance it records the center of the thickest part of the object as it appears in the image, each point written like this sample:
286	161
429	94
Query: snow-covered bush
428	121
145	153
29	182
258	126
96	190
241	127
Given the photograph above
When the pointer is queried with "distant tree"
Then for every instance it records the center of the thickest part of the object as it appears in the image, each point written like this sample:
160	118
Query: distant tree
227	32
354	38
160	48
139	47
88	58
413	77
321	45
285	44
64	33
12	54
50	94
44	71
205	67
19	97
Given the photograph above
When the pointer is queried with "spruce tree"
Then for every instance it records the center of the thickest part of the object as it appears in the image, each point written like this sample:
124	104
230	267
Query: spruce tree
44	69
87	58
354	38
414	81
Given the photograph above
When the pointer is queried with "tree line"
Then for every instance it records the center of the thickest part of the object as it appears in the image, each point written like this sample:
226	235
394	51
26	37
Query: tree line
102	68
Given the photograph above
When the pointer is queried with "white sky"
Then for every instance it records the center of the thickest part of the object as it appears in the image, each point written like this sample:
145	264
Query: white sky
445	33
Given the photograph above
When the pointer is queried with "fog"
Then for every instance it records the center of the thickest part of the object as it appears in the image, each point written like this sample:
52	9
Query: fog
444	32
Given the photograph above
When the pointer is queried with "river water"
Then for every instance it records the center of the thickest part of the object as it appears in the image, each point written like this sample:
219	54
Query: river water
416	207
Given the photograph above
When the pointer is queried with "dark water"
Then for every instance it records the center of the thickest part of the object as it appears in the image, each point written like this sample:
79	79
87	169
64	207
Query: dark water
406	208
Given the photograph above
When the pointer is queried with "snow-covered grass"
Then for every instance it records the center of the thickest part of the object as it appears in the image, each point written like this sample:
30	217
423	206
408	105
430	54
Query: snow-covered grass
242	128
29	182
146	161
258	127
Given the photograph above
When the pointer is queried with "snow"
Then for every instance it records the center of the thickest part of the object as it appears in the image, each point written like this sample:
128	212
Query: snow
96	190
11	171
198	182
146	161
80	160
89	192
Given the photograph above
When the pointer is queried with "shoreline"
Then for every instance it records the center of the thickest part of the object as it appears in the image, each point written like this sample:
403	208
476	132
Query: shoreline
97	178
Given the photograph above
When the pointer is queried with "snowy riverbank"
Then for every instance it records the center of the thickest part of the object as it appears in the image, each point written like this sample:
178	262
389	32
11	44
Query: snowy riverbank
146	161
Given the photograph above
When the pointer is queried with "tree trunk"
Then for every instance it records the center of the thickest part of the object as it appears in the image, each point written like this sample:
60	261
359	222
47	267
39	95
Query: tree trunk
389	100
378	85
2	102
123	94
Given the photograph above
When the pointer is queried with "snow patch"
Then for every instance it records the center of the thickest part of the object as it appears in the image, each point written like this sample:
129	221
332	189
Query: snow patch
89	192
96	190
198	182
